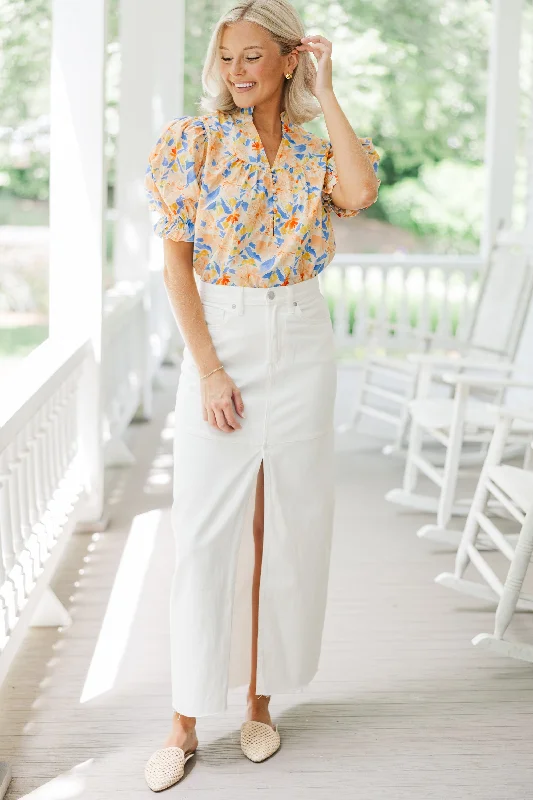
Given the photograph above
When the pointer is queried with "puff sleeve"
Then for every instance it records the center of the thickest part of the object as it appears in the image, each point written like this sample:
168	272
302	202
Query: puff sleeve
332	178
173	178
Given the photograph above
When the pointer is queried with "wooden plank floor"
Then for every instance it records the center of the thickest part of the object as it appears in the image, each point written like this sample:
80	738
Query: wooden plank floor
402	708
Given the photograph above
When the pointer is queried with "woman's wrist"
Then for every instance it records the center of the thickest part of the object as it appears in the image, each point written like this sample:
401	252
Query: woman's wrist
210	372
326	96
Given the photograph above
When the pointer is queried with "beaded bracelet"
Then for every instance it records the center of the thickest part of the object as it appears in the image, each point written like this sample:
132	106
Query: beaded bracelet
210	373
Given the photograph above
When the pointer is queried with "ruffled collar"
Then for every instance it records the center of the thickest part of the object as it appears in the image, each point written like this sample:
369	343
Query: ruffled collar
248	144
244	116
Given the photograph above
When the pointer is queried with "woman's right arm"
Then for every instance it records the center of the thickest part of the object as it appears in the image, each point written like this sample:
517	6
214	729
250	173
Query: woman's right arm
220	396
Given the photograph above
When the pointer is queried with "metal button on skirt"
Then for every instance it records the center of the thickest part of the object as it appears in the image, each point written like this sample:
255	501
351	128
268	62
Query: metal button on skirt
278	346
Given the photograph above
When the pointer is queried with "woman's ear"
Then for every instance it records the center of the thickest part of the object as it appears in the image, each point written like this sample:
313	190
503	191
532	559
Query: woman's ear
292	61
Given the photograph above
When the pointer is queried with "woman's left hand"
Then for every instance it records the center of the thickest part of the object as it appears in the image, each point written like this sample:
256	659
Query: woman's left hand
321	48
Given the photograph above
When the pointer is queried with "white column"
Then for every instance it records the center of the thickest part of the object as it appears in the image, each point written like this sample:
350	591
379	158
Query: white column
77	201
502	117
132	235
151	93
169	62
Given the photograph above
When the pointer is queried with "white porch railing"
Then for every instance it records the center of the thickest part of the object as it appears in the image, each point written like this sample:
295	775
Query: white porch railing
381	301
41	479
43	467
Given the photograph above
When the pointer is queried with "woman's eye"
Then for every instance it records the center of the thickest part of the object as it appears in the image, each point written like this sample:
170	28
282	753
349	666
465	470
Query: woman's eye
250	58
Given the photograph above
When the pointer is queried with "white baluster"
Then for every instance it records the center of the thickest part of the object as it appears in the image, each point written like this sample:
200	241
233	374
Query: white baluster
3	568
40	497
341	308
6	527
55	467
402	302
30	483
381	300
13	466
26	560
424	320
362	315
443	321
24	451
467	306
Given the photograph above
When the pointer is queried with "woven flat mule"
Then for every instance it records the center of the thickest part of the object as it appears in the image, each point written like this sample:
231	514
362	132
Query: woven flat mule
258	740
165	767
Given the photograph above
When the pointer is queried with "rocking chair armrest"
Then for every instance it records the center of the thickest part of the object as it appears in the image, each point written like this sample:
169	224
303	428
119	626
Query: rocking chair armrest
430	359
479	382
516	413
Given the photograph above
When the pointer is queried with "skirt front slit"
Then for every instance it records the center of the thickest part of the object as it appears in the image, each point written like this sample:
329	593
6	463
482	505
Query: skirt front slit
278	347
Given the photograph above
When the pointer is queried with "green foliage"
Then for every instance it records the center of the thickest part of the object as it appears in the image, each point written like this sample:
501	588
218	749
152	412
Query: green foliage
25	35
19	341
443	204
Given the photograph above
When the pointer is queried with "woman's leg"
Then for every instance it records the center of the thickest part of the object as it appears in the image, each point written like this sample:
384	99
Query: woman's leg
257	705
183	733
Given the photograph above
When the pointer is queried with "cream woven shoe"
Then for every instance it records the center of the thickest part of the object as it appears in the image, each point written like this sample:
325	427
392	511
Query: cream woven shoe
165	767
259	740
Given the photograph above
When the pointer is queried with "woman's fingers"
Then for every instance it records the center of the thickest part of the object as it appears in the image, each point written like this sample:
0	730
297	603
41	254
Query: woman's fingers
221	421
237	399
317	40
223	416
229	414
315	49
219	411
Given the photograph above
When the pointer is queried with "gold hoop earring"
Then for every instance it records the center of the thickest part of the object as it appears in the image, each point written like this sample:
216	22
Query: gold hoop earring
288	75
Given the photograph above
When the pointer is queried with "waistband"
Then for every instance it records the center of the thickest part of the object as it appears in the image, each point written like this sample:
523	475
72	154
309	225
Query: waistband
240	296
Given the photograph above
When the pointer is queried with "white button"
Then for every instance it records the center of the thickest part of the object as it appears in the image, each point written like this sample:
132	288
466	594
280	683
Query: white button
234	305
270	295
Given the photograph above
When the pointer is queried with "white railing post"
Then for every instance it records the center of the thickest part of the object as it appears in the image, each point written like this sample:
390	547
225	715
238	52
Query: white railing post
78	188
503	103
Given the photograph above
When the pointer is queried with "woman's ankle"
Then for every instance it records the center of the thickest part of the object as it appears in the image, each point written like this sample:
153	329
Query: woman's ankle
252	698
187	723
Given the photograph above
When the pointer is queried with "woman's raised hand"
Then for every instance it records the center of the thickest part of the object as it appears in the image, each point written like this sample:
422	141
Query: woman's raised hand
220	400
321	49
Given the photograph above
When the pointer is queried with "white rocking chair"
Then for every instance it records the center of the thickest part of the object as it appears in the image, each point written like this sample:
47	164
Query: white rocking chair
512	489
500	298
463	419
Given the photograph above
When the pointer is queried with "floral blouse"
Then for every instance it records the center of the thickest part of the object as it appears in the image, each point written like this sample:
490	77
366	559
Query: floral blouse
209	181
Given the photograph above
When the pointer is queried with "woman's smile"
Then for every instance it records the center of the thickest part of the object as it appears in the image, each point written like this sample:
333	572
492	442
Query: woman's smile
242	86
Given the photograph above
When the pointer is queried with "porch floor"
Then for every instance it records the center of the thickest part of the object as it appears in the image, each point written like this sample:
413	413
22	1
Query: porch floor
403	706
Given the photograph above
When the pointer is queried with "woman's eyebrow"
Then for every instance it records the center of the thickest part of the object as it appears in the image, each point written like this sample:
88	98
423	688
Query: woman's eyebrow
250	47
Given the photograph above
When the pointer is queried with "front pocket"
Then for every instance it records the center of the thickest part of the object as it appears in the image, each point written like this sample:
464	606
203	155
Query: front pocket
315	312
214	315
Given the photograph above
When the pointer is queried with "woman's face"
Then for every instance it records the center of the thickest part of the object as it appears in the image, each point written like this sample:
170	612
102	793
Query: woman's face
251	64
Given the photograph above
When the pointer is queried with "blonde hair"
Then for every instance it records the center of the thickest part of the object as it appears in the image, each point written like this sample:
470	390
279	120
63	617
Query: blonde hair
281	20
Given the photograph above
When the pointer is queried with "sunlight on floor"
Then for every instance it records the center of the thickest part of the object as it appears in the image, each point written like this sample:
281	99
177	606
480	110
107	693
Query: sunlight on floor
122	606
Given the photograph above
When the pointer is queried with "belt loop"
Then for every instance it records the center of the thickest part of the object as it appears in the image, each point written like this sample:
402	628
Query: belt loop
240	301
290	297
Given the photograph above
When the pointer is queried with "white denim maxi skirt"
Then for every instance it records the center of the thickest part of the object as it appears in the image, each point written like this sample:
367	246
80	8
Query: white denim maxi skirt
278	347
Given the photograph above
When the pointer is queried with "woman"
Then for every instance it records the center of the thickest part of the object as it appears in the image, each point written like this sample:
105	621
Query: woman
244	195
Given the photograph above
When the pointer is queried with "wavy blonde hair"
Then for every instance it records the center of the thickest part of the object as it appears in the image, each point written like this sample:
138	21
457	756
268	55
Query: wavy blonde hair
281	20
